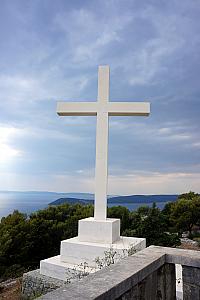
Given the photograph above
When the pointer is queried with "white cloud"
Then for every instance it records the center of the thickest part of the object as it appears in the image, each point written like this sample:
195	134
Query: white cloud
146	62
47	182
16	88
36	132
154	183
173	131
23	88
88	33
196	145
132	183
7	152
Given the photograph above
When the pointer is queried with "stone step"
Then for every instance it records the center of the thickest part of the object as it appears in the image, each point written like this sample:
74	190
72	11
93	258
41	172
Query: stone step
55	268
76	252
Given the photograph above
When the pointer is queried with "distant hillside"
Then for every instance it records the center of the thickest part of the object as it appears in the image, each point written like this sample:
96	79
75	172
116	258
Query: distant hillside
143	198
71	201
120	199
84	196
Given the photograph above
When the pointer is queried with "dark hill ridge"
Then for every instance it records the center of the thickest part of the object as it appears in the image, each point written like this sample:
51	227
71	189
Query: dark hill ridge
71	201
121	199
143	198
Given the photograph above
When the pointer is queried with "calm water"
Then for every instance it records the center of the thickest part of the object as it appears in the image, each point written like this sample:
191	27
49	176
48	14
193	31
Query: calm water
134	206
28	202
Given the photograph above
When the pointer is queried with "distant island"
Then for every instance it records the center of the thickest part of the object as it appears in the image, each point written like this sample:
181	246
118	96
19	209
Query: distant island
119	199
30	201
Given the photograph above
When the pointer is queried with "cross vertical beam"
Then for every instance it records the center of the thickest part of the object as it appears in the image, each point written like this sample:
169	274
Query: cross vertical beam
101	168
103	84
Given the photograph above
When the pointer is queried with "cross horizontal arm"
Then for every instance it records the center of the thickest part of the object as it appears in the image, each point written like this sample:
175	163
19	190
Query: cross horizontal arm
77	109
128	108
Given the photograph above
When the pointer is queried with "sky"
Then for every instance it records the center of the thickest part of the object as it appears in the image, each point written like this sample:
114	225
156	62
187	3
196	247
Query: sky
50	51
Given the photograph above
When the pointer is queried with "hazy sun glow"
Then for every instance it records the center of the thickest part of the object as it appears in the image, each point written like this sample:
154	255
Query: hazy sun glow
7	152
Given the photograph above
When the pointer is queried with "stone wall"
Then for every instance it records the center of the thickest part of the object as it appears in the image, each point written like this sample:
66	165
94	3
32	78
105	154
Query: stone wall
34	284
161	284
116	280
147	275
191	283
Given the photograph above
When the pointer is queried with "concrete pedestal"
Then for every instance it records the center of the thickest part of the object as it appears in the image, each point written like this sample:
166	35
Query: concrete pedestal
96	241
99	231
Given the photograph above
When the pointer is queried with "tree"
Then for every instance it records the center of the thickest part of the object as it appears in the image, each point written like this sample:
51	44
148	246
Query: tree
24	240
151	224
166	212
13	230
188	196
122	213
186	213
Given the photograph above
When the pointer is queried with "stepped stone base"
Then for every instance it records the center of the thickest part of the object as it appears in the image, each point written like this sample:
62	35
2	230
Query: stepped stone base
76	254
97	245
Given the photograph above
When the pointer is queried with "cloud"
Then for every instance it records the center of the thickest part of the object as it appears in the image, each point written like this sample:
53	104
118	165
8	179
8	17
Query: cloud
196	145
50	182
7	152
135	183
51	52
18	88
23	88
154	183
89	34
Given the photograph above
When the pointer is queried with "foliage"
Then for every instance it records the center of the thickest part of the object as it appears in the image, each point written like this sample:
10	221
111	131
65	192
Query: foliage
188	196
25	240
150	223
112	256
186	212
122	213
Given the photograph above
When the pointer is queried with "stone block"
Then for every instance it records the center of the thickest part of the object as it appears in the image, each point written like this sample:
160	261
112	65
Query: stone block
75	252
55	268
99	231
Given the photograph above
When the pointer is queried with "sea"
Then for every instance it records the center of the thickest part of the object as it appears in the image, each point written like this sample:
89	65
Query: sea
28	202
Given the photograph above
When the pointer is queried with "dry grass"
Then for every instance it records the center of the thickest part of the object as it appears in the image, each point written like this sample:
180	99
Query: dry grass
189	247
10	290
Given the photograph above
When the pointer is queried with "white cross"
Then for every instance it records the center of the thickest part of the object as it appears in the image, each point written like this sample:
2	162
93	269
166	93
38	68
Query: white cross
102	109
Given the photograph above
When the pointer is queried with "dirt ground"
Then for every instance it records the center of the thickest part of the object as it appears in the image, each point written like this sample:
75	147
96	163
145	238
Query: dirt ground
189	247
10	289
